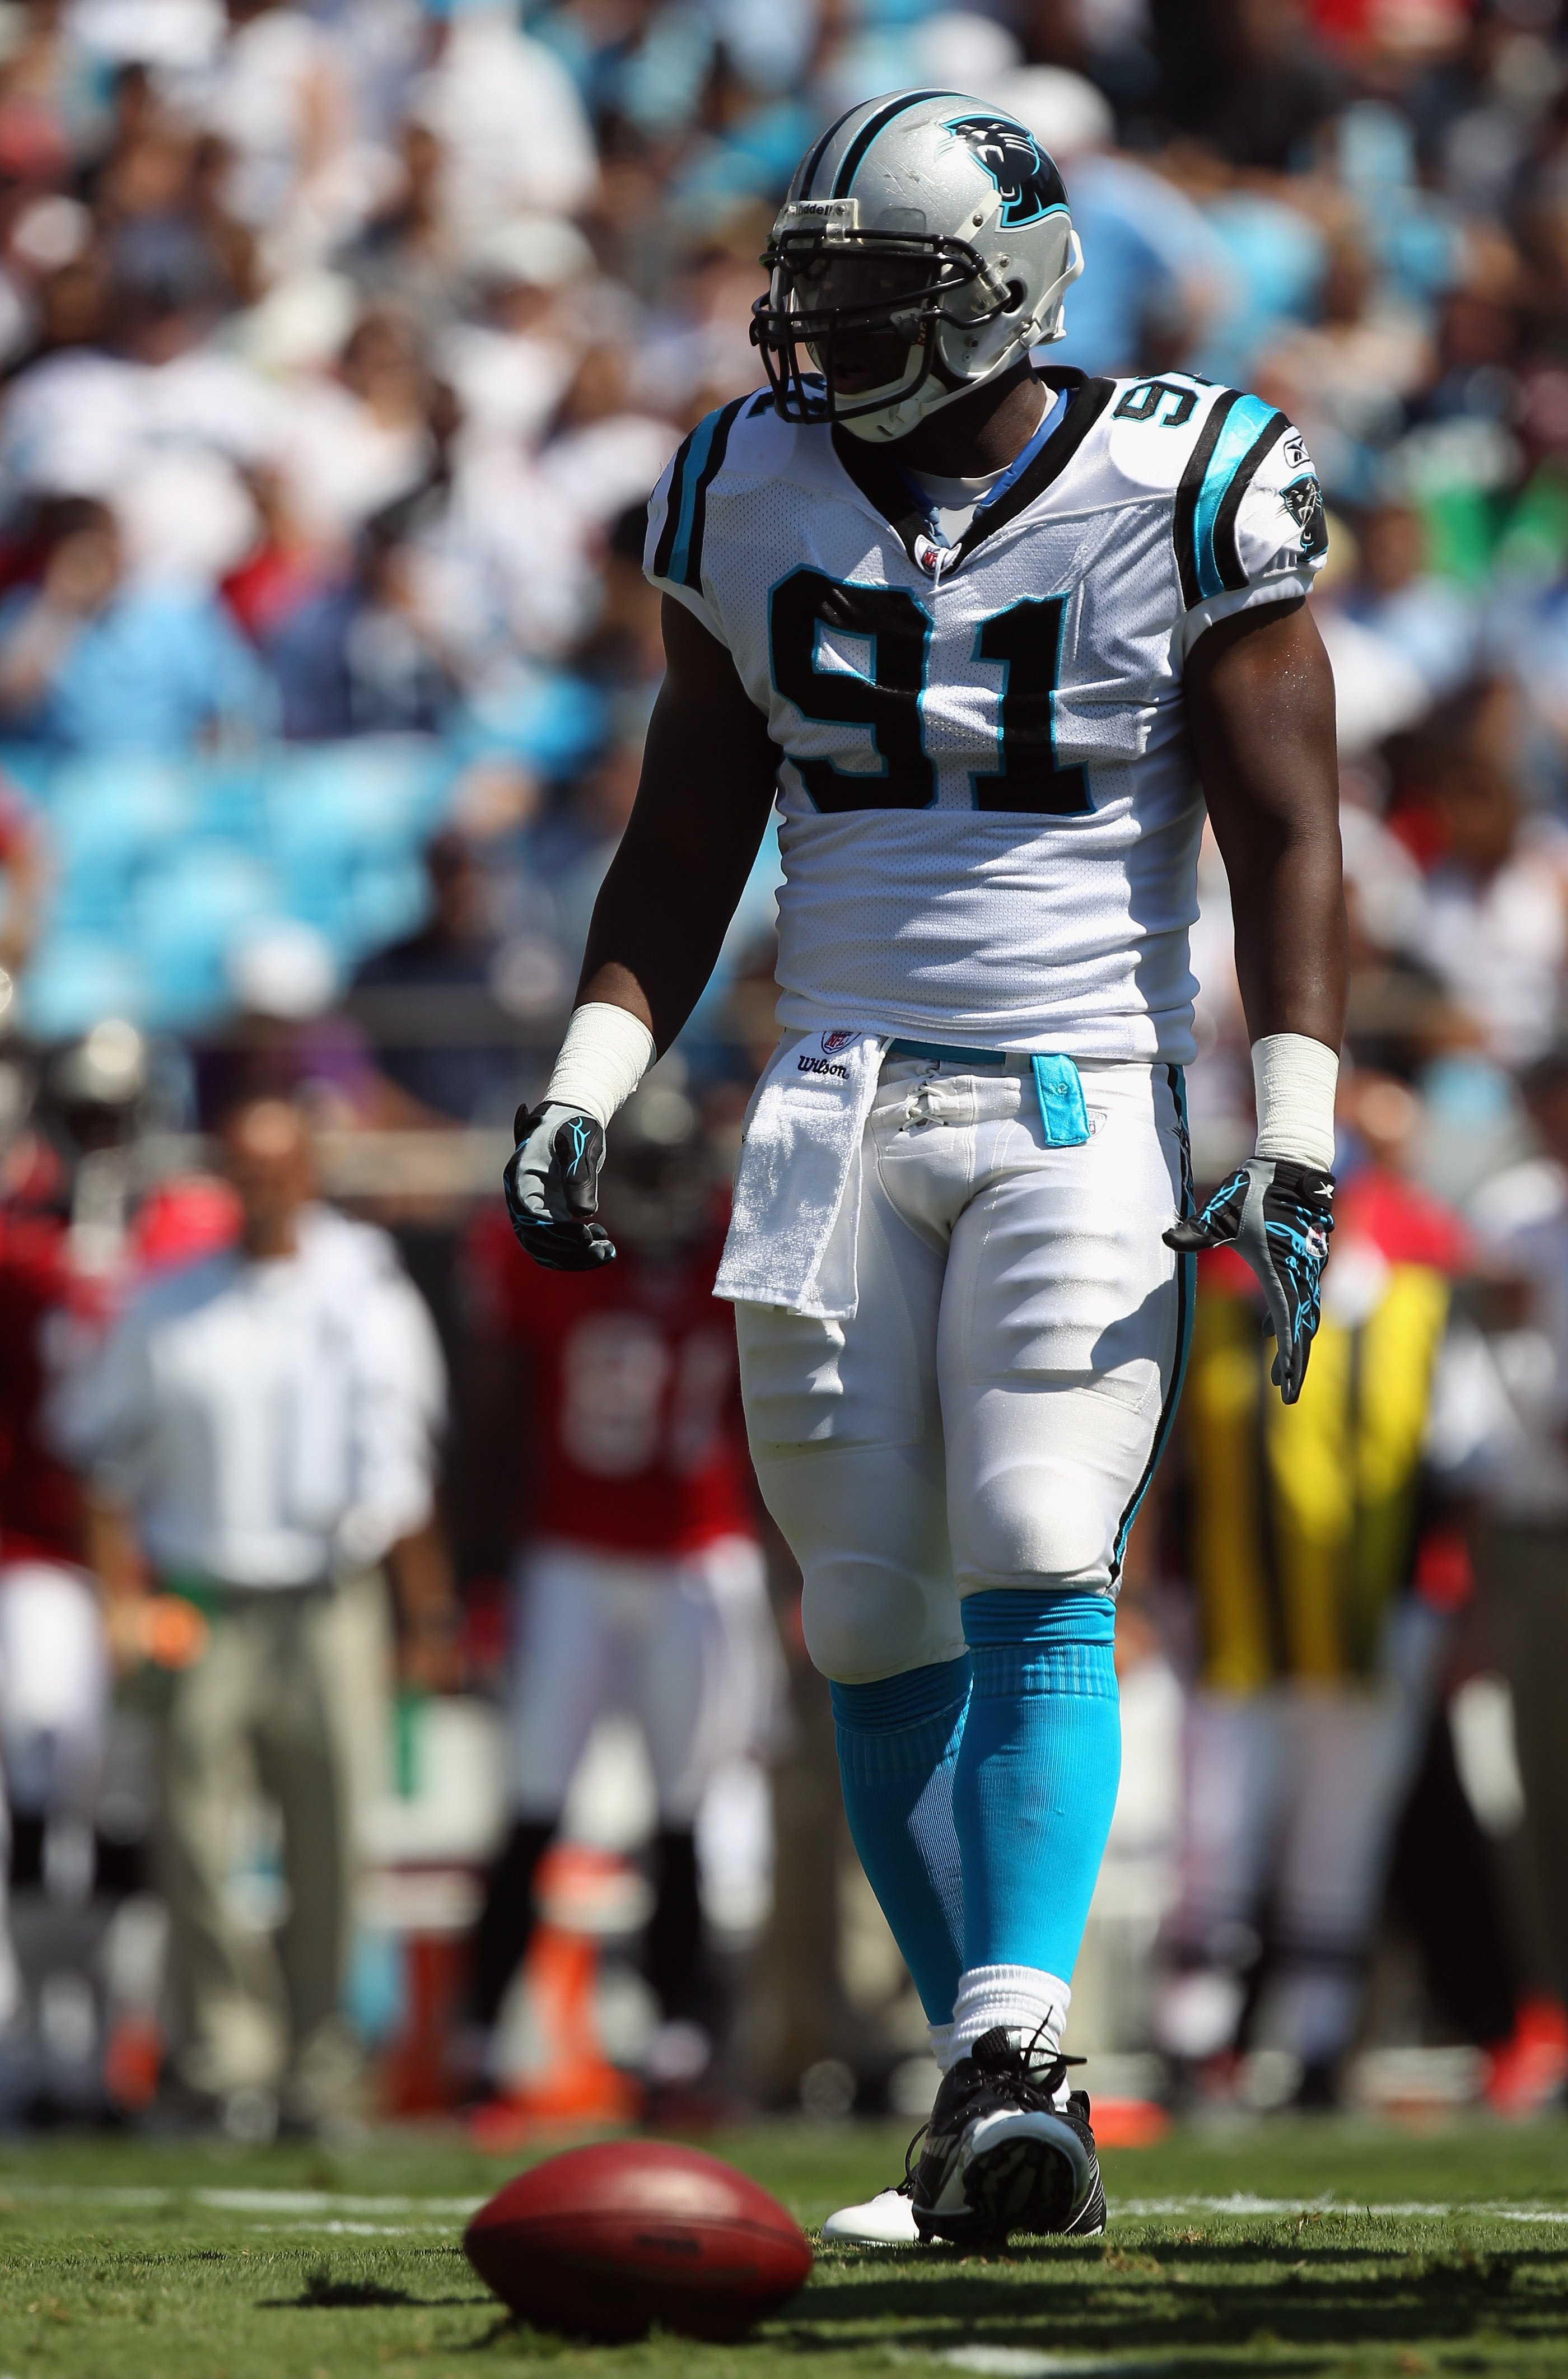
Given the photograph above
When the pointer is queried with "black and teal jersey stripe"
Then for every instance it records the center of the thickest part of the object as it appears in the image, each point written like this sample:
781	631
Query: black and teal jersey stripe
678	556
1238	432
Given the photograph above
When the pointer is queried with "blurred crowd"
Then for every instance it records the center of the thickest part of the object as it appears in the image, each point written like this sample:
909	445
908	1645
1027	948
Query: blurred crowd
402	1698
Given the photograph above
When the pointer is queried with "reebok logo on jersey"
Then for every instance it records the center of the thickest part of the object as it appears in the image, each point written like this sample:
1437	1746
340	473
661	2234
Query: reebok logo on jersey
821	1066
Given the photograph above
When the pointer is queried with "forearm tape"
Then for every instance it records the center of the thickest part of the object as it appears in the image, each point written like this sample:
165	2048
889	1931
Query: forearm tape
604	1057
1295	1078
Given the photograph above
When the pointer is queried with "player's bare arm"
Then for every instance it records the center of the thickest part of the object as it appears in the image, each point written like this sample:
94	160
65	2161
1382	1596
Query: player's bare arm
1261	707
1261	702
702	803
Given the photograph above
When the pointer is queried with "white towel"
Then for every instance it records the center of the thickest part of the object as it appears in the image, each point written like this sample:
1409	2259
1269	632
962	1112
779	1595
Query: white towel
798	1185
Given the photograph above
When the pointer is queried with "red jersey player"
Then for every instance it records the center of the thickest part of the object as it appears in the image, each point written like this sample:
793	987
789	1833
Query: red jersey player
640	1583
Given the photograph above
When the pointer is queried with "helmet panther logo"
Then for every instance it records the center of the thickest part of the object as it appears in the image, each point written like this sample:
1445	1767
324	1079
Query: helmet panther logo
1028	182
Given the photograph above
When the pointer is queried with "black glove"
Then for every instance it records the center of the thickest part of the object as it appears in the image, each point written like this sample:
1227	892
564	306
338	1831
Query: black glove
1278	1215
553	1193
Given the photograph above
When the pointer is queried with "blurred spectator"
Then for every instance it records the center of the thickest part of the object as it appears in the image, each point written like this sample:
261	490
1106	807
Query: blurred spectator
607	1443
603	444
1494	923
94	660
440	1074
258	1434
1161	275
279	101
1427	622
699	352
361	657
1248	75
573	850
405	251
508	116
625	648
1343	379
513	366
362	438
159	201
288	1039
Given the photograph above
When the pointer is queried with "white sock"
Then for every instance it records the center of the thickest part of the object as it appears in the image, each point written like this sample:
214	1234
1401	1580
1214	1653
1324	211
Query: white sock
941	2044
1026	2001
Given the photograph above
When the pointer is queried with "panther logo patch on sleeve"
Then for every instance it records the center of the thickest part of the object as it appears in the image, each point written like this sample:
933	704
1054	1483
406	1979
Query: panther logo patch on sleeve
1303	499
1030	184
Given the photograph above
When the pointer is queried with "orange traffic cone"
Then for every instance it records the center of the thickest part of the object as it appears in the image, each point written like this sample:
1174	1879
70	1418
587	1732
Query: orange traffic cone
1526	2071
133	2059
417	2078
582	1895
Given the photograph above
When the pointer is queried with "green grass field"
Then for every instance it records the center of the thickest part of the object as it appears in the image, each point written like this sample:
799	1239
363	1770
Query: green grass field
1290	2246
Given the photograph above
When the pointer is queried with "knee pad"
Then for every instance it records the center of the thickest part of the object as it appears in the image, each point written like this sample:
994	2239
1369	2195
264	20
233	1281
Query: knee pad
1047	1478
868	1527
1033	1525
864	1619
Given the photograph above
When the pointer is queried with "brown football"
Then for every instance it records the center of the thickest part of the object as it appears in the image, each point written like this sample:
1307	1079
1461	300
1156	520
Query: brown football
606	2239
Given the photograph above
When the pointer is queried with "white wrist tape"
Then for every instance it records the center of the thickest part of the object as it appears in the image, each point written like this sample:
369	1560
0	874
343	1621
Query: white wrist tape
1295	1078
604	1057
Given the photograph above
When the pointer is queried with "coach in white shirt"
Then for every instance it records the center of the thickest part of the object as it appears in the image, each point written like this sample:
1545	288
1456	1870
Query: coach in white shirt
260	1431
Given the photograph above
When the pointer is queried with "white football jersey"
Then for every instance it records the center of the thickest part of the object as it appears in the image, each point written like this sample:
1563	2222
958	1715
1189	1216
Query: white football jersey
990	816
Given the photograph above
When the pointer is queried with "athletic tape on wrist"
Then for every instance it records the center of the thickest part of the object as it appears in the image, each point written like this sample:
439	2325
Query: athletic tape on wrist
1295	1078
604	1057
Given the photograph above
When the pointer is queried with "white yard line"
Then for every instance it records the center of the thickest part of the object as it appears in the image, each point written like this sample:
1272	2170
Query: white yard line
1241	2205
375	2216
1028	2363
70	2194
321	2201
430	2213
354	2229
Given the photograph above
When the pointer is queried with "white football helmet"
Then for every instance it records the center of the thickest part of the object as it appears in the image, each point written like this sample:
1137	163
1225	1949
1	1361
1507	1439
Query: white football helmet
926	245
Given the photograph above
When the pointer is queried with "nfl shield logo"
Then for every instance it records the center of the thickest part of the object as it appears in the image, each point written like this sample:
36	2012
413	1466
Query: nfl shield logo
833	1041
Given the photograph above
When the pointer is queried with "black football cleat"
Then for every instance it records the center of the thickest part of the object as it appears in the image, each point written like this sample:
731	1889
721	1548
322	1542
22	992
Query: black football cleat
1002	2154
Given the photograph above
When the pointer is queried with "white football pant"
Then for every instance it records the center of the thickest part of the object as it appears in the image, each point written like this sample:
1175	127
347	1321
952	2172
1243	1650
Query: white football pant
53	1708
1290	1801
53	1687
686	1646
992	1412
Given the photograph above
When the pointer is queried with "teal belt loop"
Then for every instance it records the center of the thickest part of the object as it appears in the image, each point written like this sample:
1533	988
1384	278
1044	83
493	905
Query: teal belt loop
1059	1089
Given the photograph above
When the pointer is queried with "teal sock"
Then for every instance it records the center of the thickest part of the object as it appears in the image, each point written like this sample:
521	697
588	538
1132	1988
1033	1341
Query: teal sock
1035	1784
898	1747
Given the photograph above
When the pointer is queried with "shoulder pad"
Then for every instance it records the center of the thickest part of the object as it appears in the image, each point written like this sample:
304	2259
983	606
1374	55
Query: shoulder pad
1203	446
1152	425
741	437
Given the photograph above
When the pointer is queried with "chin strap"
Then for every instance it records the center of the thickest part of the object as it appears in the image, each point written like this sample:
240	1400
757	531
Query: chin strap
1048	324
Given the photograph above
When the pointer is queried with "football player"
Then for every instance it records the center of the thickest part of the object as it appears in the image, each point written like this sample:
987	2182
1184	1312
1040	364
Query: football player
991	634
642	1587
